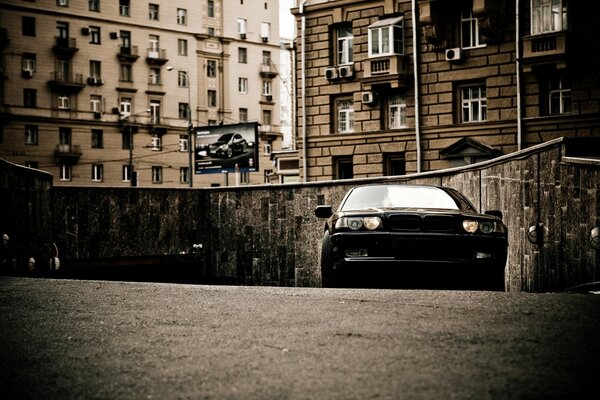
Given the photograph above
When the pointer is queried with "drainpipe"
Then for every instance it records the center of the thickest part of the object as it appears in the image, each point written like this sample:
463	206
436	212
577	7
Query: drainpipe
518	67
416	84
303	100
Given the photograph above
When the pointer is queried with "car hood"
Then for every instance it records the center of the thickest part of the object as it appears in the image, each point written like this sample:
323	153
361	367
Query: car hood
411	210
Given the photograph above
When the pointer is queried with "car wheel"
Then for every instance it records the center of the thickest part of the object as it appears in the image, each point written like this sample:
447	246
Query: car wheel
326	264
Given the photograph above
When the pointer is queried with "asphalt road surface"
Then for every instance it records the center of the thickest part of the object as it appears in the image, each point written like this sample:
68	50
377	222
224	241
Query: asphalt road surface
70	339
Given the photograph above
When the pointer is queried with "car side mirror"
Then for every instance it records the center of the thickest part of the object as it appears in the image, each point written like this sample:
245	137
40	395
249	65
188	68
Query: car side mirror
323	211
495	213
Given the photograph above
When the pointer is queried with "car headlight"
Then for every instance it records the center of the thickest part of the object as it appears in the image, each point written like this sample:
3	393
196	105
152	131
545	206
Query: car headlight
470	225
487	226
357	223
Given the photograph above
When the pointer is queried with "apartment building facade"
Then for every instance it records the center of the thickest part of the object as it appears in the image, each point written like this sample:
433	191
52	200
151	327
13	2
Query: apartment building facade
398	86
109	92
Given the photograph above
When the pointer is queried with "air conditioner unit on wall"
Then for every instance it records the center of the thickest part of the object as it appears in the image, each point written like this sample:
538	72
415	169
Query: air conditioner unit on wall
346	71
453	54
85	31
368	97
331	73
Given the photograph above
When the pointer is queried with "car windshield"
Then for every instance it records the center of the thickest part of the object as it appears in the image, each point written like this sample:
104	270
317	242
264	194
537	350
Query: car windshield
226	137
392	196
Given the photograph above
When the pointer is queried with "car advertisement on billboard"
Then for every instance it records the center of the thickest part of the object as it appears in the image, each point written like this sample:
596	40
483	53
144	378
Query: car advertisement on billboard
228	148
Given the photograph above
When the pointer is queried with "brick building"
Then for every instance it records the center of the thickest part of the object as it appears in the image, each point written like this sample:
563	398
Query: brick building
92	91
485	80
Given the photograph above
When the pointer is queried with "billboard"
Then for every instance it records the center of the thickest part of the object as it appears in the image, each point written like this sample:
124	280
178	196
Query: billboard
230	148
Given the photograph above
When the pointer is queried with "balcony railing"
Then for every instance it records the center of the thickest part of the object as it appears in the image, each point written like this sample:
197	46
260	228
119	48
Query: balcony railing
268	70
156	56
128	53
549	44
65	45
66	82
391	65
67	153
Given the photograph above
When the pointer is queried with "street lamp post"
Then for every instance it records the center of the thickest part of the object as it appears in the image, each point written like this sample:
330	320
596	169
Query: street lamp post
190	127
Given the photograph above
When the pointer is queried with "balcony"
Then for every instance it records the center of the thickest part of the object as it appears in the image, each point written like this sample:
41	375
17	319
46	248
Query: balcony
67	153
157	56
68	83
128	54
548	48
268	71
388	68
65	46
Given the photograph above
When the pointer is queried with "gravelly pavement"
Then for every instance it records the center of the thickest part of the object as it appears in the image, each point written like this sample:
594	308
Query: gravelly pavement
69	339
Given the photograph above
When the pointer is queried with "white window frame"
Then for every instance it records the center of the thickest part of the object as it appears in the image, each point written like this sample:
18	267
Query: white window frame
184	176
182	79
156	143
154	78
153	11
183	143
64	102
473	103
157	173
95	103
548	16
344	109
267	86
97	172
181	16
382	37
95	33
95	69
125	106
65	172
558	95
469	29
344	46
241	25
126	173
124	8
182	47
243	85
153	42
28	64
265	30
154	107
31	134
397	112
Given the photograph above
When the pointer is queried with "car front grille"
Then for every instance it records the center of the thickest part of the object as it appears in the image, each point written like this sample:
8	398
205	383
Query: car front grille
426	223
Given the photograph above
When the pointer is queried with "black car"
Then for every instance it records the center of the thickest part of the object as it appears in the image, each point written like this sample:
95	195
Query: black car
418	234
228	145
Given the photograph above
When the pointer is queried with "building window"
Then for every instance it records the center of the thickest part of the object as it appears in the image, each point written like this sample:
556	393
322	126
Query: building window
62	29
156	174
64	135
386	37
62	3
181	16
559	96
28	26
156	143
30	98
126	141
241	26
394	164
31	134
126	175
184	175
243	85
95	103
153	11
344	115
125	73
343	44
124	8
64	102
210	31
183	143
28	64
97	172
343	168
97	139
182	79
182	47
548	16
469	30
94	5
211	8
266	117
211	68
154	43
397	112
154	76
65	172
265	31
243	115
242	55
183	110
266	87
212	98
154	111
266	58
473	103
95	69
244	177
94	34
125	107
